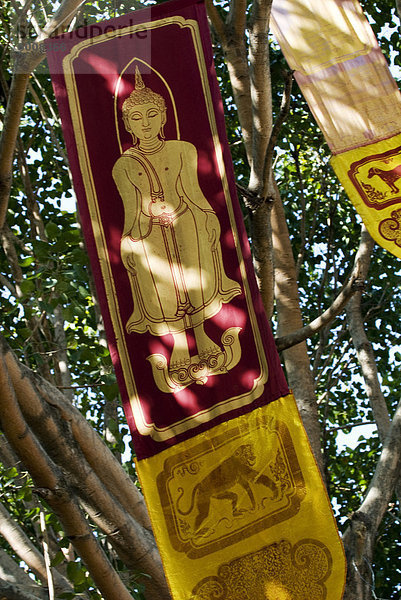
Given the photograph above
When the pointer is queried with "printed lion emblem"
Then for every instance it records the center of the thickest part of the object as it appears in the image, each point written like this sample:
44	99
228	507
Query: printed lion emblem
389	177
235	470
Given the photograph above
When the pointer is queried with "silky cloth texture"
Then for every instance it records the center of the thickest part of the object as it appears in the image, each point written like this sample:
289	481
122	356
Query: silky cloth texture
236	500
144	127
240	512
371	176
346	81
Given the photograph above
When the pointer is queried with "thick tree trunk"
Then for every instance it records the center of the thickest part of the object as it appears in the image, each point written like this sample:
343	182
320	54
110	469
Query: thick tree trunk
45	430
289	319
359	539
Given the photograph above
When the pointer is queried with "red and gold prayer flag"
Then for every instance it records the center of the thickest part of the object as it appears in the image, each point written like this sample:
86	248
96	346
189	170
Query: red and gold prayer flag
345	79
235	498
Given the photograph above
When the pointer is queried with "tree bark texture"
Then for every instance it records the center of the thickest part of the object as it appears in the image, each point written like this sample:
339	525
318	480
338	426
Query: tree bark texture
359	539
289	319
40	424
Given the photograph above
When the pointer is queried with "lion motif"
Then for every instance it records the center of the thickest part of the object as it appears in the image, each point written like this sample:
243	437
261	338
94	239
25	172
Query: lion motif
389	177
237	469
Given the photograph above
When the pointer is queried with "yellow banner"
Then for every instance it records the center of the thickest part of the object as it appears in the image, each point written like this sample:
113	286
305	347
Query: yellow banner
355	100
245	503
371	176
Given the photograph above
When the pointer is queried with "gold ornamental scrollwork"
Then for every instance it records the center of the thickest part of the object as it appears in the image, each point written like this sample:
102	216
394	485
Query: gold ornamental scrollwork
280	570
200	369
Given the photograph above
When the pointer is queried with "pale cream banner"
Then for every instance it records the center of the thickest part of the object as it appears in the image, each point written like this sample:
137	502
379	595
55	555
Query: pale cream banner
340	70
346	81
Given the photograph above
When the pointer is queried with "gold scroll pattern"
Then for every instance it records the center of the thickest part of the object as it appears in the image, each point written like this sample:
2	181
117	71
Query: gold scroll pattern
280	570
227	489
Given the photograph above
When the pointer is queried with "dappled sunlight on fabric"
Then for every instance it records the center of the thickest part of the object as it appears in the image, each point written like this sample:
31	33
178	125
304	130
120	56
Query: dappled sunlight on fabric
233	315
205	166
104	66
340	70
276	591
247	378
314	37
228	240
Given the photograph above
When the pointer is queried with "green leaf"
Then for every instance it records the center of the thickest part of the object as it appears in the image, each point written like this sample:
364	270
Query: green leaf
58	559
27	261
52	231
27	286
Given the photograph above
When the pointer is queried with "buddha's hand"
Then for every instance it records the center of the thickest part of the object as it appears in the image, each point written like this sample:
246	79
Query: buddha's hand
212	228
127	254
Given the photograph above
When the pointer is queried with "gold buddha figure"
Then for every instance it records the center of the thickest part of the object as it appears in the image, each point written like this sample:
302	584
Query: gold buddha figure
171	239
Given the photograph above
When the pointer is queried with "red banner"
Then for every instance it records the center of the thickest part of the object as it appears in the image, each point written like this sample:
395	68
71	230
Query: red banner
189	341
233	492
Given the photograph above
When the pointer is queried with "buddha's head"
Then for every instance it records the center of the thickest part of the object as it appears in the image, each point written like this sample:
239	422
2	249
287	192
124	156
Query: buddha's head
144	112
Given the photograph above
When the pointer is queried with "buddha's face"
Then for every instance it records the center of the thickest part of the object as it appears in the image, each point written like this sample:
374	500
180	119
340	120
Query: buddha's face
145	121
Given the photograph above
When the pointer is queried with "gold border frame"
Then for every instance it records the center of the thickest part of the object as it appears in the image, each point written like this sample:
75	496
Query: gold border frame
235	402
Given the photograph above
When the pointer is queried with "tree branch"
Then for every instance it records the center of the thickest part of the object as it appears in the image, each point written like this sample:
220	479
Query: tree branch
24	63
8	138
62	16
260	93
108	492
51	487
259	184
46	554
53	136
302	202
360	536
11	573
232	39
236	19
351	287
12	591
5	283
398	6
216	21
281	117
289	318
367	362
98	455
26	551
354	284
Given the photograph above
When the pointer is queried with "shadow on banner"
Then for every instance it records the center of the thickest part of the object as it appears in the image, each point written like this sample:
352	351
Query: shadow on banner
235	497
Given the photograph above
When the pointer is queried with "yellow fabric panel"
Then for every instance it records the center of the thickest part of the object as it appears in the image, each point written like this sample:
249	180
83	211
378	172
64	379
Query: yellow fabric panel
240	512
371	176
